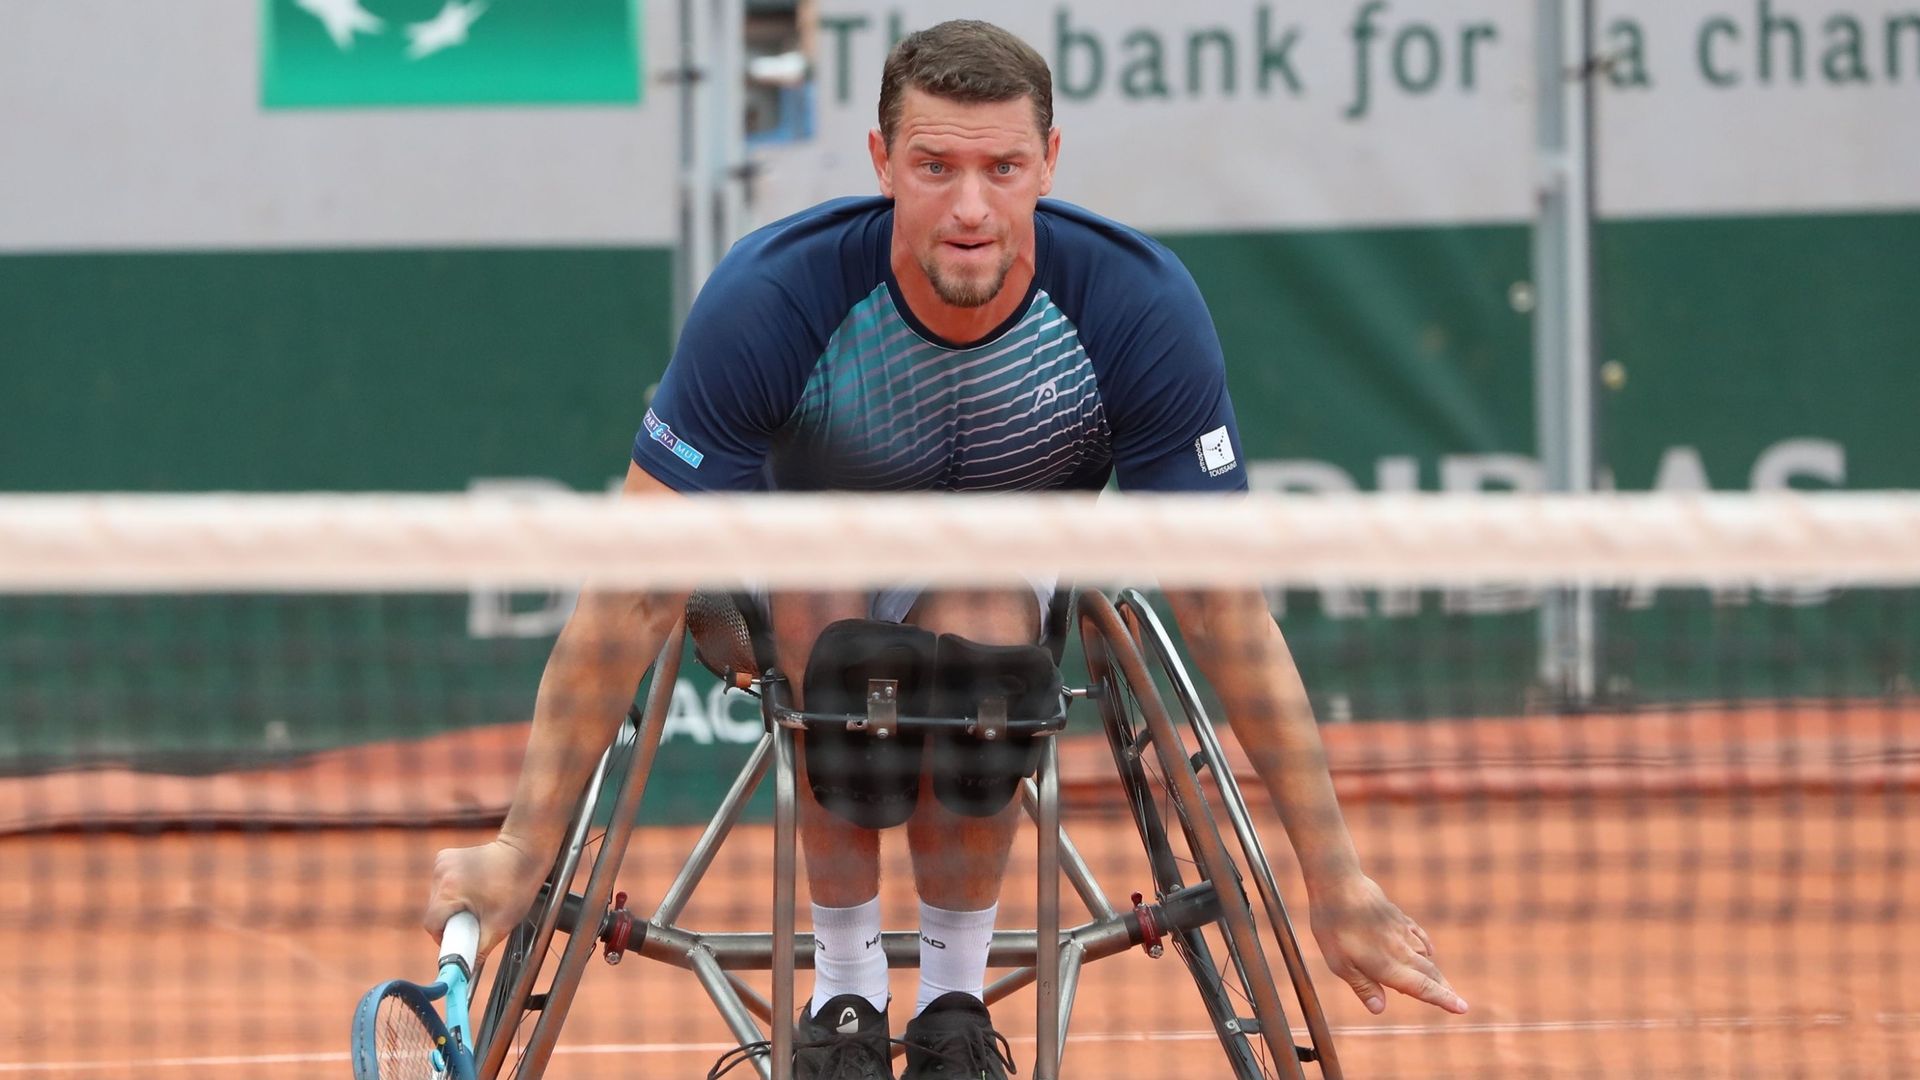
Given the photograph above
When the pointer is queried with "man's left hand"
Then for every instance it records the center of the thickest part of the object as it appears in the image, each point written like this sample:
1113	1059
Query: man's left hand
1371	943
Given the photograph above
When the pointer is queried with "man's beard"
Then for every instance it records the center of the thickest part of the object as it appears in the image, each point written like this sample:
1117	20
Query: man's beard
968	293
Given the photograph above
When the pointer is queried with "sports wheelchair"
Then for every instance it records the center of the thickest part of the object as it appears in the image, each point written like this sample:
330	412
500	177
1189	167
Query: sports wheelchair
1198	880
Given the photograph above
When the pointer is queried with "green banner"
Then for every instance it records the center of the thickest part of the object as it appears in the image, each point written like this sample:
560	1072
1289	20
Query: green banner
329	53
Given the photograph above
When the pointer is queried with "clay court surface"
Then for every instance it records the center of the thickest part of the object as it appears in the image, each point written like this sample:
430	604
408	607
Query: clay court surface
1631	929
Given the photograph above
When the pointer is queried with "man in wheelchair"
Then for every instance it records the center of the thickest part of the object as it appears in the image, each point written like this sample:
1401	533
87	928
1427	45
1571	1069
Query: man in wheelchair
957	333
946	652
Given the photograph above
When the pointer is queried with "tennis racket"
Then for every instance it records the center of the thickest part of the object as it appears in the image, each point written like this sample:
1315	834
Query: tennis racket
397	1032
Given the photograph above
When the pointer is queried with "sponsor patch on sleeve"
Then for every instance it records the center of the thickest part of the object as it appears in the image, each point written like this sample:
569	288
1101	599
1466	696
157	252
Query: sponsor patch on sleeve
658	430
1216	451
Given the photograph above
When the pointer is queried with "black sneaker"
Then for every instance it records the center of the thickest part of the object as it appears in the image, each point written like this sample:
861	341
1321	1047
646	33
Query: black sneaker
953	1037
847	1041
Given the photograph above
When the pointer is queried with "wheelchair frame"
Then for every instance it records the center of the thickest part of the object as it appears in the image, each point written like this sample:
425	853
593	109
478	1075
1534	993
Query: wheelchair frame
1157	771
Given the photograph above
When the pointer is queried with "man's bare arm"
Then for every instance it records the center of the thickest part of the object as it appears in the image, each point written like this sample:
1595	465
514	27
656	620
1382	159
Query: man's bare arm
589	682
1366	939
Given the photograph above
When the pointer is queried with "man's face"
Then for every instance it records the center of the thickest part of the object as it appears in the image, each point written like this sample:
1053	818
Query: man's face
965	180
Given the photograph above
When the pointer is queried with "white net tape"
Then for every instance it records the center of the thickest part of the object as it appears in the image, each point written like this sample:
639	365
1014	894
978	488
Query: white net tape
209	543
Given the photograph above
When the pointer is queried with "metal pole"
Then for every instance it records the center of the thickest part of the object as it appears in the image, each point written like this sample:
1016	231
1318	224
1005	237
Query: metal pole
1071	861
733	1009
728	153
1046	959
1564	320
713	157
708	846
696	77
785	869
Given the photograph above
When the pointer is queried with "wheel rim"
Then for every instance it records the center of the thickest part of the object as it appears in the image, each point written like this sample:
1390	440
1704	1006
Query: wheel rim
1154	783
1150	635
509	1048
1164	865
531	949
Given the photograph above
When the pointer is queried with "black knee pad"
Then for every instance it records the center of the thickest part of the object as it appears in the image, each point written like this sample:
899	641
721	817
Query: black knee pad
974	776
869	781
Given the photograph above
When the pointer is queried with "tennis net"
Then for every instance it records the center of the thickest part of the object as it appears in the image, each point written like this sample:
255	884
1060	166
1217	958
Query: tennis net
1643	767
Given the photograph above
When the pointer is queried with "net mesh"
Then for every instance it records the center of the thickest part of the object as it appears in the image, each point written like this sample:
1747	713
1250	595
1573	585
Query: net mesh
1643	768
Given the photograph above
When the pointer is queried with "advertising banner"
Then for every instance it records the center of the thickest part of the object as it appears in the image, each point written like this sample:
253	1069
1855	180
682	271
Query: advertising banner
448	52
1264	115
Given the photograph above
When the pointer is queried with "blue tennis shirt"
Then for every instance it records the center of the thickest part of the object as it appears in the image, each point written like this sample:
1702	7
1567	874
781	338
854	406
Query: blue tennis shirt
801	369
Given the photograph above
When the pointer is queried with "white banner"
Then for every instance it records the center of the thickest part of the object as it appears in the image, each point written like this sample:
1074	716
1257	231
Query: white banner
1359	112
1760	106
132	125
1202	116
136	126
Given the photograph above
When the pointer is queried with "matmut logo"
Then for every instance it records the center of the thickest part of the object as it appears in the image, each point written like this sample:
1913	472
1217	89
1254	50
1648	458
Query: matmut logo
658	430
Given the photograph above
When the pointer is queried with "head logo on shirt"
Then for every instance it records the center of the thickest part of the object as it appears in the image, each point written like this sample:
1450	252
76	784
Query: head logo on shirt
1216	452
662	434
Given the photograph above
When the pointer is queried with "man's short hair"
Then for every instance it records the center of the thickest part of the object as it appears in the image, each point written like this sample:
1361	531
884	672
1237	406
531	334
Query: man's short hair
969	61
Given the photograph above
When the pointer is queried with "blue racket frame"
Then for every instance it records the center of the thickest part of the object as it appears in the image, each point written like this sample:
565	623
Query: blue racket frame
452	1035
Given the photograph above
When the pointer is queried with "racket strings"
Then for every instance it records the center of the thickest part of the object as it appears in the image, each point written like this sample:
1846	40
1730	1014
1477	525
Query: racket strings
403	1047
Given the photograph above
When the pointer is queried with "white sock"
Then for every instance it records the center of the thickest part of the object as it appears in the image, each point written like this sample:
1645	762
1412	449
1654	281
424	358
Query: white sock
847	957
953	952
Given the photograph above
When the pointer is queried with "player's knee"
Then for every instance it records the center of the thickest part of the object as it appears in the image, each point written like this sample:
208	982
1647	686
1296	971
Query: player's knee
871	782
874	782
976	773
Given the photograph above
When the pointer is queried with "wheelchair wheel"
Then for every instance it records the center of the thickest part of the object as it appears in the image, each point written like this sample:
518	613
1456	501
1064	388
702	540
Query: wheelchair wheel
521	1022
1184	849
1207	757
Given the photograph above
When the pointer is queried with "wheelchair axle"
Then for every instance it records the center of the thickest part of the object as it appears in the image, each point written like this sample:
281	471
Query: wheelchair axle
1146	925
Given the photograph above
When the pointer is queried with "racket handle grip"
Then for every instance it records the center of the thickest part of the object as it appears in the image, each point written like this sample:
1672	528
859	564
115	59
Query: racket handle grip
460	940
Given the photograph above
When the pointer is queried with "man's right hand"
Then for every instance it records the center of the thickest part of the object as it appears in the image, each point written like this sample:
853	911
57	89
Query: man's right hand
497	881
